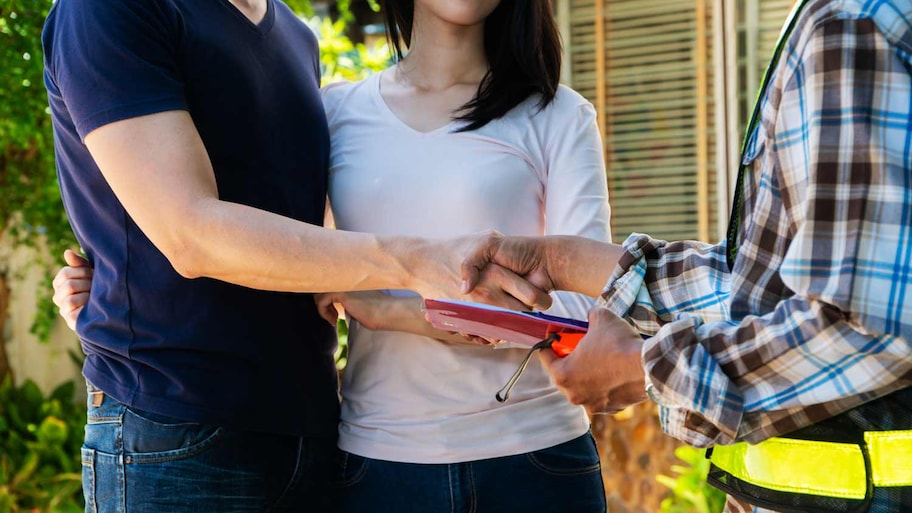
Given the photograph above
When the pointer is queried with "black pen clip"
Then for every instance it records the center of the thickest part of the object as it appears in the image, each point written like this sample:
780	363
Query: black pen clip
504	393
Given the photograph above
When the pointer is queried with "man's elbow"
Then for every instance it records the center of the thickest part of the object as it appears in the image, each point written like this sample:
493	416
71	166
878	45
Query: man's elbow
187	268
185	255
186	241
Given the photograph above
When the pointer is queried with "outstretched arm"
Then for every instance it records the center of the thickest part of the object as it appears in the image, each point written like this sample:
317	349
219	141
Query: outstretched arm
158	168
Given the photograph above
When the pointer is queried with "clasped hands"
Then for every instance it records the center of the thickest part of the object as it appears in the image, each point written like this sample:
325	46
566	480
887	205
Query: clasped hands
605	372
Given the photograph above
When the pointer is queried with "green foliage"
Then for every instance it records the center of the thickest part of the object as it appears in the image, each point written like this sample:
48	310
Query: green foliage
301	7
27	177
691	493
342	350
343	60
40	439
31	210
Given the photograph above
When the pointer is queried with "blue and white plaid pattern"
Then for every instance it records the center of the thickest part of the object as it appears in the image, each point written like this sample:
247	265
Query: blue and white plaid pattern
815	317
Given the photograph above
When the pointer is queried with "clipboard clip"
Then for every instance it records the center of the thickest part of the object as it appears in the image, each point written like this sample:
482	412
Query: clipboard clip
504	393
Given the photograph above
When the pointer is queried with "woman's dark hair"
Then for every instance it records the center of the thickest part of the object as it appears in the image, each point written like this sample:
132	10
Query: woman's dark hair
523	47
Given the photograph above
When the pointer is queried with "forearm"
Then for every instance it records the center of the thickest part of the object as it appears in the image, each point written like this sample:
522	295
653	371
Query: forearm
258	249
378	311
578	264
406	315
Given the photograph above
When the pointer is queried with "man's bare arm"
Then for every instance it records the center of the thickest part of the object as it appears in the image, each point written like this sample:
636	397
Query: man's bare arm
158	168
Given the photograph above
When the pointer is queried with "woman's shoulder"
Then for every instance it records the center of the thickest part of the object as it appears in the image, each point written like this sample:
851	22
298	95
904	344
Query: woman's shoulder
333	92
336	94
567	107
568	102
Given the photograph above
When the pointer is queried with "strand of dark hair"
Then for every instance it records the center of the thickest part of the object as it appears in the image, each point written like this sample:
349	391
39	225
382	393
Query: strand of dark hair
523	48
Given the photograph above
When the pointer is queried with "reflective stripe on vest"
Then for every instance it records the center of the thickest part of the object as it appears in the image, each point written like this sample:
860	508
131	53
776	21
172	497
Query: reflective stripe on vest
828	469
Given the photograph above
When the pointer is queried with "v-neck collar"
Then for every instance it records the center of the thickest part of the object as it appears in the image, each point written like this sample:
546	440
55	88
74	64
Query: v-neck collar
264	26
393	118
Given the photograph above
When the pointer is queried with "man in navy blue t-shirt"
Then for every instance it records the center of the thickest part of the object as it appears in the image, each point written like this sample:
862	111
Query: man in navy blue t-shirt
192	156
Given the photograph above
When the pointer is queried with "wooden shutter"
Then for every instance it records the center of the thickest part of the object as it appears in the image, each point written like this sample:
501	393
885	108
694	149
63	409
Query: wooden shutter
657	121
647	67
656	70
758	25
580	48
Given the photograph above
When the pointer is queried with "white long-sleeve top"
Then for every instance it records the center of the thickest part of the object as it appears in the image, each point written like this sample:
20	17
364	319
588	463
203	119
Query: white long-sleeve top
414	399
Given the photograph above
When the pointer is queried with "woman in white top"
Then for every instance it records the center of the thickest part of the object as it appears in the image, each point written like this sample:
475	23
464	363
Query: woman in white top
469	131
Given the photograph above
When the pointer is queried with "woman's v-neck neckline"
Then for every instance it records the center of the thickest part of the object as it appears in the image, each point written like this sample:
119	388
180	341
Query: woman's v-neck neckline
394	119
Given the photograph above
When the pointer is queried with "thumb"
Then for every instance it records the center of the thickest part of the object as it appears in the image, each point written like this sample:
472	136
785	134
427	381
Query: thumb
600	318
74	259
477	259
548	358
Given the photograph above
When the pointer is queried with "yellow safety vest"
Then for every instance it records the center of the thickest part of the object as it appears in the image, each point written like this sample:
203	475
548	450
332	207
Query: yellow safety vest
828	469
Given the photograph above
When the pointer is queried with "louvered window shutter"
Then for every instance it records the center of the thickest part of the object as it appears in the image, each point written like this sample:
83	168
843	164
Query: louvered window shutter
655	71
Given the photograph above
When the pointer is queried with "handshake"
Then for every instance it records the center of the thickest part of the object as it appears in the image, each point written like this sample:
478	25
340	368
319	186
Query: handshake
604	373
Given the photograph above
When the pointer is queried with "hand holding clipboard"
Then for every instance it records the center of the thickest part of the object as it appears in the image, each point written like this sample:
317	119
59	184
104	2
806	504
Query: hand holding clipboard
534	330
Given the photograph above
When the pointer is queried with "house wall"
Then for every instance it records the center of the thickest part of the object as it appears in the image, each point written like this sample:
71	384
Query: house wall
46	363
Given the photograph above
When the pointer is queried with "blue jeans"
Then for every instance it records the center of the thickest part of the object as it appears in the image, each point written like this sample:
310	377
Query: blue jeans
563	478
139	462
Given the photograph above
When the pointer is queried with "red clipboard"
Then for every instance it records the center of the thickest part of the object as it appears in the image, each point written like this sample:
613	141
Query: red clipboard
525	328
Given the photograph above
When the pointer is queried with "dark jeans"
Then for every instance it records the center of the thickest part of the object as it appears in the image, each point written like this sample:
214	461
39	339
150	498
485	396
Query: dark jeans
139	462
560	479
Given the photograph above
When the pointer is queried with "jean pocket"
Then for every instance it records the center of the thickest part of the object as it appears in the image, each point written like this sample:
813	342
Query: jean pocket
150	438
349	469
88	479
578	456
108	412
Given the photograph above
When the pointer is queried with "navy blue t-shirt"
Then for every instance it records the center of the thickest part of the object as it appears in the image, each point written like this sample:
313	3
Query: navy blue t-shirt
200	350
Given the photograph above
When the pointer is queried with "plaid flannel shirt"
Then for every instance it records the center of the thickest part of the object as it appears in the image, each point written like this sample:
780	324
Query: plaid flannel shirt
815	316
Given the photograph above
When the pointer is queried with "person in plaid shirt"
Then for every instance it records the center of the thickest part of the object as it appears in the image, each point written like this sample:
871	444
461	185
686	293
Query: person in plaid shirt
801	322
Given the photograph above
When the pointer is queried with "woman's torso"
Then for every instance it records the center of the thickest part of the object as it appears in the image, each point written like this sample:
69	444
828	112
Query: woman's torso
415	399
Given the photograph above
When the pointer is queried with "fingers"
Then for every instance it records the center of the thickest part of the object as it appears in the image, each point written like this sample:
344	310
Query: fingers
604	373
527	279
548	360
567	379
502	287
521	288
72	280
74	259
326	308
71	287
475	339
477	259
71	306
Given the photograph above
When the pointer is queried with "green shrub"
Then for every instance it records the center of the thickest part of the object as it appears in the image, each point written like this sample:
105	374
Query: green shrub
40	439
691	492
340	59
